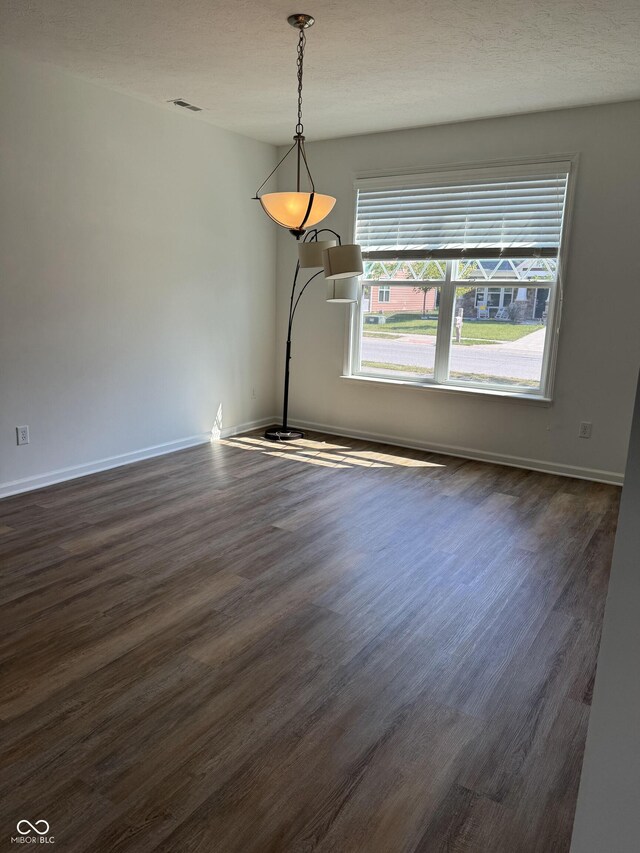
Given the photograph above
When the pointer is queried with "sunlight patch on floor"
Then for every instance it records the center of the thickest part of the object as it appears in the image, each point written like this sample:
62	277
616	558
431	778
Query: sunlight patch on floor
311	460
390	459
325	453
293	446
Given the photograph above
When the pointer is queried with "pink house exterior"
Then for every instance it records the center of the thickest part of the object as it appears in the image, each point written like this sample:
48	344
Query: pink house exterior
387	299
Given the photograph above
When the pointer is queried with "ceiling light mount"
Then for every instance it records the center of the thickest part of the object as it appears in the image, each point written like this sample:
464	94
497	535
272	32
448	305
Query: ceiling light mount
301	22
300	209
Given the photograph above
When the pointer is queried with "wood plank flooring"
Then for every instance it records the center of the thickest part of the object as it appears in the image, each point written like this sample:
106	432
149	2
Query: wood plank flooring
335	647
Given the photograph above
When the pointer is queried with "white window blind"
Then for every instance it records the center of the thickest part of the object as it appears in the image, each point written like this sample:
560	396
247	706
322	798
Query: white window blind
472	213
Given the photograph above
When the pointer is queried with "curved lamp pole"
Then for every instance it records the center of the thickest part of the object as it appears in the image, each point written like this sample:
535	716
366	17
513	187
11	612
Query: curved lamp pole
338	262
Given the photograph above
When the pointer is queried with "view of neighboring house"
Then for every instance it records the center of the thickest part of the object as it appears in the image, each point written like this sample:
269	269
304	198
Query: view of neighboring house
518	304
487	301
384	298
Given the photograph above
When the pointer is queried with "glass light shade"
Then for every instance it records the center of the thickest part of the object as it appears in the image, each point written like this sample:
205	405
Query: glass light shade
342	290
342	261
310	254
289	209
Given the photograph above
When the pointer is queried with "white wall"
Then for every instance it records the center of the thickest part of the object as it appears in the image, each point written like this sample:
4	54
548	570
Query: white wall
607	815
137	276
599	345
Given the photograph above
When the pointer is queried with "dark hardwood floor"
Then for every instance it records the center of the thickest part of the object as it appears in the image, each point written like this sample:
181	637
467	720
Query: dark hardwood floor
337	646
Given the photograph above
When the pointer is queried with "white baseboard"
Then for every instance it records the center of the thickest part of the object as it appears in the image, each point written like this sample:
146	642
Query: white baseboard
60	475
598	476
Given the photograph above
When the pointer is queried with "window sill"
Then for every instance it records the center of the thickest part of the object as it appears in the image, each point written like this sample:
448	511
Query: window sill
452	389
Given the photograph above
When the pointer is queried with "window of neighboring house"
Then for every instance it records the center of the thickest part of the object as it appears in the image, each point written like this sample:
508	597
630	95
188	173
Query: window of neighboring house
493	298
473	261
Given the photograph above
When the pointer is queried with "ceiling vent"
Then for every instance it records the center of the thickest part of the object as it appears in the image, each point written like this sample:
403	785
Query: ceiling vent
179	102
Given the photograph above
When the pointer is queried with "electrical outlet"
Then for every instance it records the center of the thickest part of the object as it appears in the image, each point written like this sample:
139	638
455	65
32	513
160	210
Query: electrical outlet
585	430
22	435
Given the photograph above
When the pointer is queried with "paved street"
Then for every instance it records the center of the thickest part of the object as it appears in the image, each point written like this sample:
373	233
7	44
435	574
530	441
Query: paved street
517	359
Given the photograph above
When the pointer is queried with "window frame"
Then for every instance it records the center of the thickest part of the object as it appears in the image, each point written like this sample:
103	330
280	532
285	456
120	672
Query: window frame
447	288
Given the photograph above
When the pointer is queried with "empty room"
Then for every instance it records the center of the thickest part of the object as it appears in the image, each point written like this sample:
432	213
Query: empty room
319	467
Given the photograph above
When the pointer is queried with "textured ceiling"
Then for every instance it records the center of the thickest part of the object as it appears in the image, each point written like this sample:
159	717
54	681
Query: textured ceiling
371	65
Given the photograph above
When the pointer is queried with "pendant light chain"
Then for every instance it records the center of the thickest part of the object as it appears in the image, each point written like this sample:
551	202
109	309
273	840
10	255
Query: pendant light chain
301	45
301	208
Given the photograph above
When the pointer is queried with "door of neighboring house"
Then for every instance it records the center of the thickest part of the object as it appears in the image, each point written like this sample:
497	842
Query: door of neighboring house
542	294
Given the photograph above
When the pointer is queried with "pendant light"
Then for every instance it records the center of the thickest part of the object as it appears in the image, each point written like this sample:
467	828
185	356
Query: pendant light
301	209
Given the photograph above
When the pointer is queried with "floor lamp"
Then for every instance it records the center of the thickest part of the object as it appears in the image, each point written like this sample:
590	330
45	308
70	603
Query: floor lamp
341	265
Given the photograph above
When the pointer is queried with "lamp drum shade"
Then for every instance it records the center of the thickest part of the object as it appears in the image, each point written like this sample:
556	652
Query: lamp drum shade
297	211
342	290
310	254
342	261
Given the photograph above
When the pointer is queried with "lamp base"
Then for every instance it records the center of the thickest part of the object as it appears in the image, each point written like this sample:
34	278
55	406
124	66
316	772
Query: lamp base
278	433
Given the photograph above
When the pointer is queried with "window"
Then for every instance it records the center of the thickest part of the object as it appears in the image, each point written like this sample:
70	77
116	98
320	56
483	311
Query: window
492	299
461	277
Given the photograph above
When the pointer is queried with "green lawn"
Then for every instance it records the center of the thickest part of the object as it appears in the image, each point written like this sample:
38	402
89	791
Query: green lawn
480	331
454	374
404	368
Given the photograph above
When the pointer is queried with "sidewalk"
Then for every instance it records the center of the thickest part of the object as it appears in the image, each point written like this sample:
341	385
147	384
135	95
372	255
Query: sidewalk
530	343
